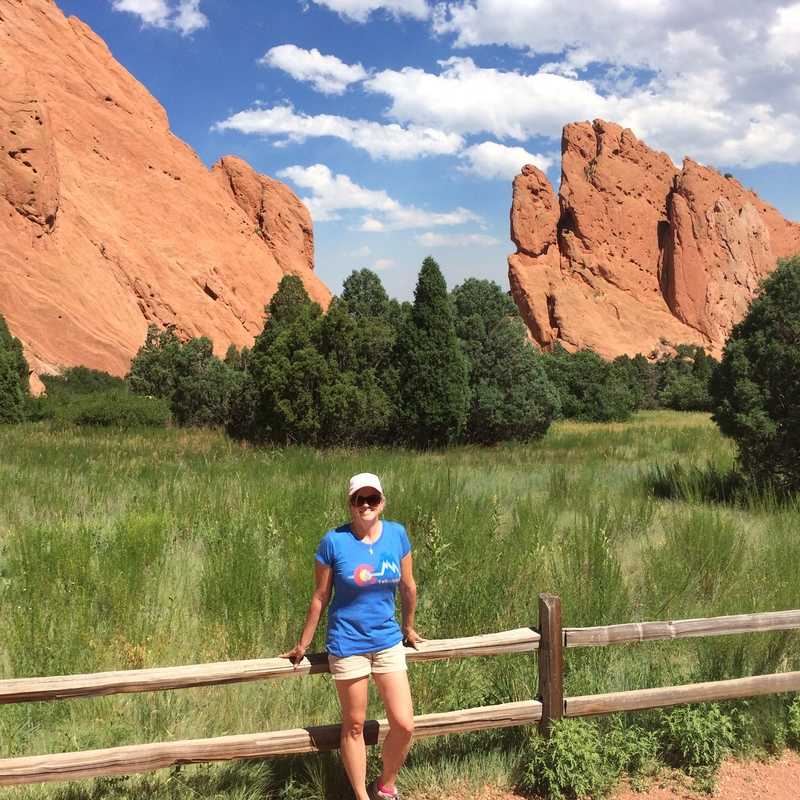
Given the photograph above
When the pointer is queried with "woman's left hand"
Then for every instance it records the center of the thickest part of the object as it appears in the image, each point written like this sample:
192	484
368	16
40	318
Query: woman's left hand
411	637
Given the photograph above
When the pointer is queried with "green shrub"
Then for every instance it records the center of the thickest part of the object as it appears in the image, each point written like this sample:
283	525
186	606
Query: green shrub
685	379
697	738
203	385
642	380
756	388
794	722
197	384
591	389
117	410
568	764
631	750
153	367
81	380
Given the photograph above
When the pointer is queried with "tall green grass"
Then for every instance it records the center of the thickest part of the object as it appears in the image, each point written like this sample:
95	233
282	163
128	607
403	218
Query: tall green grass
127	550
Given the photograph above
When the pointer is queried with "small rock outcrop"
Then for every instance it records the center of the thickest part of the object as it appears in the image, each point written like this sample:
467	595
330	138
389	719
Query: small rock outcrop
109	222
634	255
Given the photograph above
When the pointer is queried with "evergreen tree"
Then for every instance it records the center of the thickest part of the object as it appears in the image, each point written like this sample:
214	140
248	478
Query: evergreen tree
511	397
14	376
433	373
355	406
287	369
364	297
13	345
756	388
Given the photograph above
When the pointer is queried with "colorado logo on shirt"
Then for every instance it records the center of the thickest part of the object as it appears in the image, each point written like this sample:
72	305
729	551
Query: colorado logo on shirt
387	572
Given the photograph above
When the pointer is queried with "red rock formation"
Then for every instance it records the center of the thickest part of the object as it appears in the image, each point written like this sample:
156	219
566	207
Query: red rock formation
109	222
635	255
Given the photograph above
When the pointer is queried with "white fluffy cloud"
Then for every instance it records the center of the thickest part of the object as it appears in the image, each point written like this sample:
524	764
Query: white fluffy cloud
465	98
332	193
359	10
457	240
185	17
716	79
327	74
189	18
495	160
391	141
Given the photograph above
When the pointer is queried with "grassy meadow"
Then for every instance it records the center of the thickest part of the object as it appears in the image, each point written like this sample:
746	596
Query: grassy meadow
122	551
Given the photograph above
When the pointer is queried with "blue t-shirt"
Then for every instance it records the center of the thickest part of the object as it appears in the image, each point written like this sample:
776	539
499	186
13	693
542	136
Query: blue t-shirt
365	577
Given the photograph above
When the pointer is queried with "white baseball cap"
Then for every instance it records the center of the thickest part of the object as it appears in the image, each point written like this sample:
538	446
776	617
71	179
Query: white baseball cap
362	480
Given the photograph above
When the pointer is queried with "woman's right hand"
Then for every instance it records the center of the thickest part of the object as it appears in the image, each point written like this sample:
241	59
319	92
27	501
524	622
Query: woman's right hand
295	655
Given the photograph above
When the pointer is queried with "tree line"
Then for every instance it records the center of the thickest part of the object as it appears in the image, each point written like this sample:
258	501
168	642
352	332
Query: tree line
449	367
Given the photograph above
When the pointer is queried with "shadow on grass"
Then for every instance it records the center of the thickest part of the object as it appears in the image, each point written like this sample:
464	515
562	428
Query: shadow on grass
709	483
714	483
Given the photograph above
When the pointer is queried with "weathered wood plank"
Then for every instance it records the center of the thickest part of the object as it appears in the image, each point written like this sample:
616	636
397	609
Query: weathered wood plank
639	699
147	757
682	629
20	690
551	661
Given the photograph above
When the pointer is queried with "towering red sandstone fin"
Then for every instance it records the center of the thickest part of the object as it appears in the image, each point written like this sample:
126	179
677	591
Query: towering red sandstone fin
114	222
646	257
275	210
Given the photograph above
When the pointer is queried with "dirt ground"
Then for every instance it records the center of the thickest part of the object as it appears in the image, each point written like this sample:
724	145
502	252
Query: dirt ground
777	779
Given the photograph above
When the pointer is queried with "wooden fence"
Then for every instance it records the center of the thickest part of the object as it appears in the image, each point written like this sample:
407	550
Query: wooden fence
549	639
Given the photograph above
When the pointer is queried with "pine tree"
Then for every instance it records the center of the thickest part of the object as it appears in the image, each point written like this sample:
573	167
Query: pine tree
756	388
13	345
511	397
287	369
433	373
355	406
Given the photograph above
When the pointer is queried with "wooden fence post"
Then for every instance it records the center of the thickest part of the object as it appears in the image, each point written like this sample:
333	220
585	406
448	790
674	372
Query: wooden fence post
551	661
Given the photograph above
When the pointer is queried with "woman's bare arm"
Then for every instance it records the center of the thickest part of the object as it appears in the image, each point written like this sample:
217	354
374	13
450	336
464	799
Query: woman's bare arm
323	584
408	600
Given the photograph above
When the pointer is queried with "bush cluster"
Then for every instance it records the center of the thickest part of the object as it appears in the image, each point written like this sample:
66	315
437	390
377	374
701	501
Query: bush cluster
186	374
446	368
585	759
115	409
592	389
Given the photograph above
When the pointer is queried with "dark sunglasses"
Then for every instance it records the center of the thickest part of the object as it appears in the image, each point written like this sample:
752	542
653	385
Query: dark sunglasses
366	499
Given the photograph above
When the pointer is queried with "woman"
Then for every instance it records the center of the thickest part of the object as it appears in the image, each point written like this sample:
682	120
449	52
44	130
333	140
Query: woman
364	562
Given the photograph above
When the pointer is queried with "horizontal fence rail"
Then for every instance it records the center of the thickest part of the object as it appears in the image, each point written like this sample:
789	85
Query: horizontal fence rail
681	629
550	640
641	699
146	757
23	690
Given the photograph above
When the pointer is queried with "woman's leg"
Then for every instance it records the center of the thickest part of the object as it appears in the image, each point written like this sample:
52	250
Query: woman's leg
353	700
396	695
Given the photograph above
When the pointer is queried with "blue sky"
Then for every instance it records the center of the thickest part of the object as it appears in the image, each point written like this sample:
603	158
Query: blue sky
402	122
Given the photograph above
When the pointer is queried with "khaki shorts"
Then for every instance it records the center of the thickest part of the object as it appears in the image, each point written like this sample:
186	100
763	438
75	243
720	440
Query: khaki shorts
347	668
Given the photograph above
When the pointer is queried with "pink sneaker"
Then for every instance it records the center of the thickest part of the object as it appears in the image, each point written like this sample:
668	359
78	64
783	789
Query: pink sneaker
376	793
